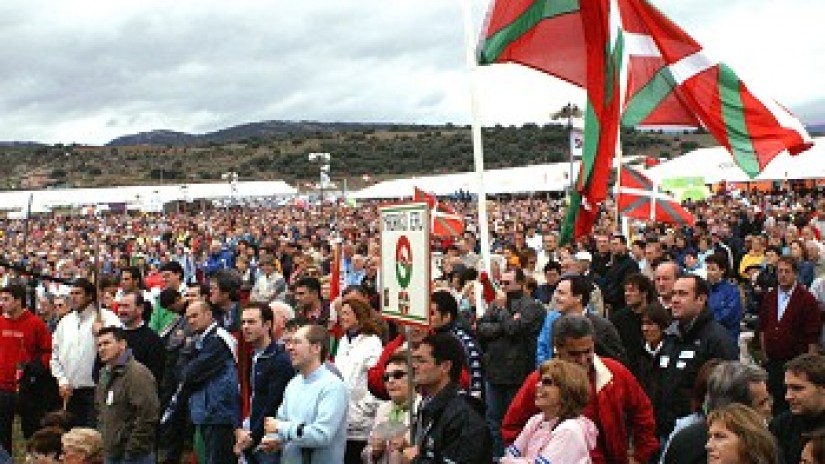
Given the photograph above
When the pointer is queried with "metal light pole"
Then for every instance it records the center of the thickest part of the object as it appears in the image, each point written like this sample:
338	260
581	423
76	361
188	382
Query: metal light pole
323	159
569	111
232	178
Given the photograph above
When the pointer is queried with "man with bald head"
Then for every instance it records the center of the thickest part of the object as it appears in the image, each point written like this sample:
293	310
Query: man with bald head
664	277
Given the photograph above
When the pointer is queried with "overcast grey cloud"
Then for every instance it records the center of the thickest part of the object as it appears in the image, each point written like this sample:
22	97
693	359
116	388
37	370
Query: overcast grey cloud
88	71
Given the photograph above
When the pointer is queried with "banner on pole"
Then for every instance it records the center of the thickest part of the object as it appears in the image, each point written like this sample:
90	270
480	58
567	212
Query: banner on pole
577	143
686	188
405	263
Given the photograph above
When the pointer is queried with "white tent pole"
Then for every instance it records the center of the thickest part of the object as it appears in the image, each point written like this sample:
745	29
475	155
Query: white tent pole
478	149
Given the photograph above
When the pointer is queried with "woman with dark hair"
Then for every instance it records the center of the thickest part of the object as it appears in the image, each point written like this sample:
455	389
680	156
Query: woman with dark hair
738	435
45	446
559	433
358	351
814	450
655	319
806	269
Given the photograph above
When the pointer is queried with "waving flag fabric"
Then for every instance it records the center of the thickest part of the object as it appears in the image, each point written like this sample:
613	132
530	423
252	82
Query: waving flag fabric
661	75
640	198
445	222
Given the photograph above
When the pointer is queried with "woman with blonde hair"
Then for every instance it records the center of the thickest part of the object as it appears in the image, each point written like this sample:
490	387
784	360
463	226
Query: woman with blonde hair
737	434
82	446
559	433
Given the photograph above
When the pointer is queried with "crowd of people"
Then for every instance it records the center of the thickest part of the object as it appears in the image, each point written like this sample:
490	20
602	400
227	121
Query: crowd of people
255	334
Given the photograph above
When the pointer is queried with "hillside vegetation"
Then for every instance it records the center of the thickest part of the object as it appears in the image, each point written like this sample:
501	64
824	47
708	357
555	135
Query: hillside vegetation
259	152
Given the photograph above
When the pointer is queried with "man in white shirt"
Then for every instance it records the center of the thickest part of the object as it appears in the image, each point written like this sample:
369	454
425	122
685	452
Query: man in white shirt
270	284
74	351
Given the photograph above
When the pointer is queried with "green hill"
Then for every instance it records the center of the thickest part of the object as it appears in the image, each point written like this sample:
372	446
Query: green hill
380	151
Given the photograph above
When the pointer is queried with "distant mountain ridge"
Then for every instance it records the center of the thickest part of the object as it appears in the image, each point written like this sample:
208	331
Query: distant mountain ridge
263	129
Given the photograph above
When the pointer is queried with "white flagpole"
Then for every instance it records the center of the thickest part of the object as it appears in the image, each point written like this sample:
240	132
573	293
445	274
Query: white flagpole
653	198
478	149
617	185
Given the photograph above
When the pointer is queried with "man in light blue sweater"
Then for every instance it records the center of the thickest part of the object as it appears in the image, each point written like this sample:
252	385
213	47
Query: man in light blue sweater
311	424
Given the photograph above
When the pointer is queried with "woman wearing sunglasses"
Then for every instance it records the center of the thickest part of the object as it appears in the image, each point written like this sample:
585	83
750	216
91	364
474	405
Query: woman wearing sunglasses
392	419
559	433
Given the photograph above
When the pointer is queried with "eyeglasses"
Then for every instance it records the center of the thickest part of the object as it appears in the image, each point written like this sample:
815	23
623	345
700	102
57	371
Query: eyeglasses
547	382
397	375
506	282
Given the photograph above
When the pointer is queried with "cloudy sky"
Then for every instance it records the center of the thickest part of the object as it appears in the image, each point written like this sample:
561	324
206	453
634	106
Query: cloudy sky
87	71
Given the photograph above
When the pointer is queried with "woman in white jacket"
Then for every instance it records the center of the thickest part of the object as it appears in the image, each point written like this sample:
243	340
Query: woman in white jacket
359	350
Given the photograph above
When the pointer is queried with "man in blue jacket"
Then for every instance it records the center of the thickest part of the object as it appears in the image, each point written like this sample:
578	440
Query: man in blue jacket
210	382
270	373
219	258
724	300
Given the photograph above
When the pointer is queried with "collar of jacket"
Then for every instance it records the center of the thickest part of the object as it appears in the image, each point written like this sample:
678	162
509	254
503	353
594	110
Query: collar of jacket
121	362
701	320
603	374
437	403
270	351
446	328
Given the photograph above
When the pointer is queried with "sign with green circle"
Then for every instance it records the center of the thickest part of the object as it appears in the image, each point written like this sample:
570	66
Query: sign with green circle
403	261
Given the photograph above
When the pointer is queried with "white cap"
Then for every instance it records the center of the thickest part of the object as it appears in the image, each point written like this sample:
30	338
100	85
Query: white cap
583	256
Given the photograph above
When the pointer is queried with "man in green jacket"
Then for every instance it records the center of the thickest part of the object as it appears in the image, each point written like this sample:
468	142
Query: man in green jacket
126	400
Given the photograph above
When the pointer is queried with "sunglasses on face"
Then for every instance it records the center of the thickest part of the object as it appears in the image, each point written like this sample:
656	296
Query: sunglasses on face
547	382
397	375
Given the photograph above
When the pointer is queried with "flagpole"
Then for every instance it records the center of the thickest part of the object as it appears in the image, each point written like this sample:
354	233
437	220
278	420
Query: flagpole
478	149
619	160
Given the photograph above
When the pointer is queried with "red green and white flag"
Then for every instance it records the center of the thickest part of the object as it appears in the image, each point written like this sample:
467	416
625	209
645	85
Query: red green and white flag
627	53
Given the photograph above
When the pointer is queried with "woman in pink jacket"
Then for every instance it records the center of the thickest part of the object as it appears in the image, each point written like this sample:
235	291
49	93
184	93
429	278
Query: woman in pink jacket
559	433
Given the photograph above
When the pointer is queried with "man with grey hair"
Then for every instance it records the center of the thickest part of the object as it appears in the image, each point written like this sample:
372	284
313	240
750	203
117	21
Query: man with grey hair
730	382
282	313
357	272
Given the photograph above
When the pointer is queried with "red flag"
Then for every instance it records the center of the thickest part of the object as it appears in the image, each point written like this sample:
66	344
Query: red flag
669	79
640	199
335	272
444	221
421	195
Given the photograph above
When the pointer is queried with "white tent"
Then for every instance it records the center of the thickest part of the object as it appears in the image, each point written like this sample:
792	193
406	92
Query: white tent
716	165
141	194
537	178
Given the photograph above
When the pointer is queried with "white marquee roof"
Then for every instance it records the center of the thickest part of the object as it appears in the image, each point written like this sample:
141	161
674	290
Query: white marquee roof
716	164
141	194
536	178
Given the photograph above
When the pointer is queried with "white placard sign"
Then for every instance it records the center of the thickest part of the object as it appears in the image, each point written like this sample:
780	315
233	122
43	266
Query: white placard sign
405	263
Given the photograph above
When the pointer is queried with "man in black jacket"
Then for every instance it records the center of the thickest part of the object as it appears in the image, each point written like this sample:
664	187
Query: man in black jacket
692	339
805	392
621	266
270	373
448	426
509	336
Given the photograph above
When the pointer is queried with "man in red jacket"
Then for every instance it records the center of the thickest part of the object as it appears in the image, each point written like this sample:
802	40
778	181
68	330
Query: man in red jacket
618	405
789	326
25	350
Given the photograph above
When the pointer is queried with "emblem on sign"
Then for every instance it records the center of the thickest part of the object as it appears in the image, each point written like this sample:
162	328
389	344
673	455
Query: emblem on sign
403	261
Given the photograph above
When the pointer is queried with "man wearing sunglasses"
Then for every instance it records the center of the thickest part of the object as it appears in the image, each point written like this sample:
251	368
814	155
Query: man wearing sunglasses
618	406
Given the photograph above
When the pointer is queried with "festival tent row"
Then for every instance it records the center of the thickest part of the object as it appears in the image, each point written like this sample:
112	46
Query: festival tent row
716	165
145	197
553	177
